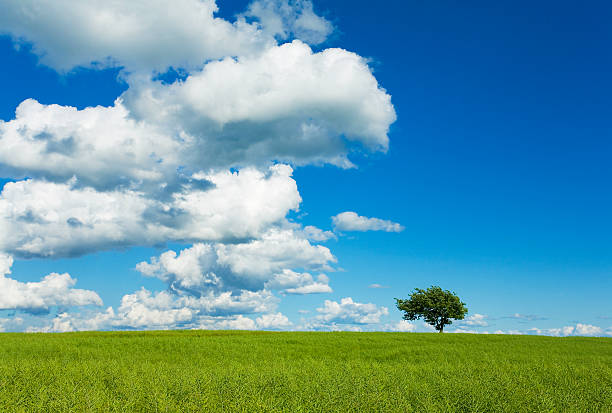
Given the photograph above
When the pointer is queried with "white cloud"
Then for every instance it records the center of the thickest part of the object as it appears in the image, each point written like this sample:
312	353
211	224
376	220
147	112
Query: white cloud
477	320
283	18
163	310
241	205
66	322
37	297
558	332
578	330
401	326
40	218
47	219
153	35
238	322
274	251
250	265
273	321
102	146
462	330
6	262
350	221
588	330
145	309
288	104
316	234
348	311
141	35
193	268
375	285
148	310
291	282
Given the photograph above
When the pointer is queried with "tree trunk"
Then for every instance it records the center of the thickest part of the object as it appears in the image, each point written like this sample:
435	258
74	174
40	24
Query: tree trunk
441	328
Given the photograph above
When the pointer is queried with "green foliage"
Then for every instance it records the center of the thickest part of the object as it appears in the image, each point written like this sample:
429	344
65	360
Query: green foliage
435	305
216	371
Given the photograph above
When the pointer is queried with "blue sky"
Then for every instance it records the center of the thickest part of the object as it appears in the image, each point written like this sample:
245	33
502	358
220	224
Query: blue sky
497	166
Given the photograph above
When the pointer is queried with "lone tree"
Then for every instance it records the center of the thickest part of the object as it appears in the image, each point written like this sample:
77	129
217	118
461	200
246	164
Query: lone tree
435	305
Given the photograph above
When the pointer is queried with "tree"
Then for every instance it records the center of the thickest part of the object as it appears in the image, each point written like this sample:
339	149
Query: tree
435	305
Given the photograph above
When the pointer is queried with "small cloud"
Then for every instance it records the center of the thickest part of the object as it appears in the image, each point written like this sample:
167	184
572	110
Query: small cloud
377	286
476	320
350	221
525	317
467	331
348	311
316	234
510	332
401	326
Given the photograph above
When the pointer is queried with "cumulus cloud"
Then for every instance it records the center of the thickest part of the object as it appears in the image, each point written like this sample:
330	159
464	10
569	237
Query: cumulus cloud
291	282
274	251
587	330
39	218
37	297
350	221
148	310
102	146
140	35
153	35
266	261
287	104
348	311
273	321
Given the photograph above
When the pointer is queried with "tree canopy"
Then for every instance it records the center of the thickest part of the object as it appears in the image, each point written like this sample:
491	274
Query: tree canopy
435	305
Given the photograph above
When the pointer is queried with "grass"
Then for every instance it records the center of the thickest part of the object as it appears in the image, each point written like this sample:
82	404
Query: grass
303	372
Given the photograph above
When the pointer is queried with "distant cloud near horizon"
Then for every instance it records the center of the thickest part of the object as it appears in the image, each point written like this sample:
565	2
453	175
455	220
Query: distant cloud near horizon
526	317
351	221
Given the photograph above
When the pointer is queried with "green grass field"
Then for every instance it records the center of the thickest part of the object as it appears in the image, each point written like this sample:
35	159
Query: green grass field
303	372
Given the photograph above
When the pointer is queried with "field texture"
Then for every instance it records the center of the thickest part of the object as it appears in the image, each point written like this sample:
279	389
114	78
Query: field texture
303	372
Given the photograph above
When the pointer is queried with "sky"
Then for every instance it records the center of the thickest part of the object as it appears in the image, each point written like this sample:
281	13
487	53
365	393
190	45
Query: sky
297	165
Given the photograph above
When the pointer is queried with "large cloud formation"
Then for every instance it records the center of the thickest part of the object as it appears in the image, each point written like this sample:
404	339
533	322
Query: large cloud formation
204	160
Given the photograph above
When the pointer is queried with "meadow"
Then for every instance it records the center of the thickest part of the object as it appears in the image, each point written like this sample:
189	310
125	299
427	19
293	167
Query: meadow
303	372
